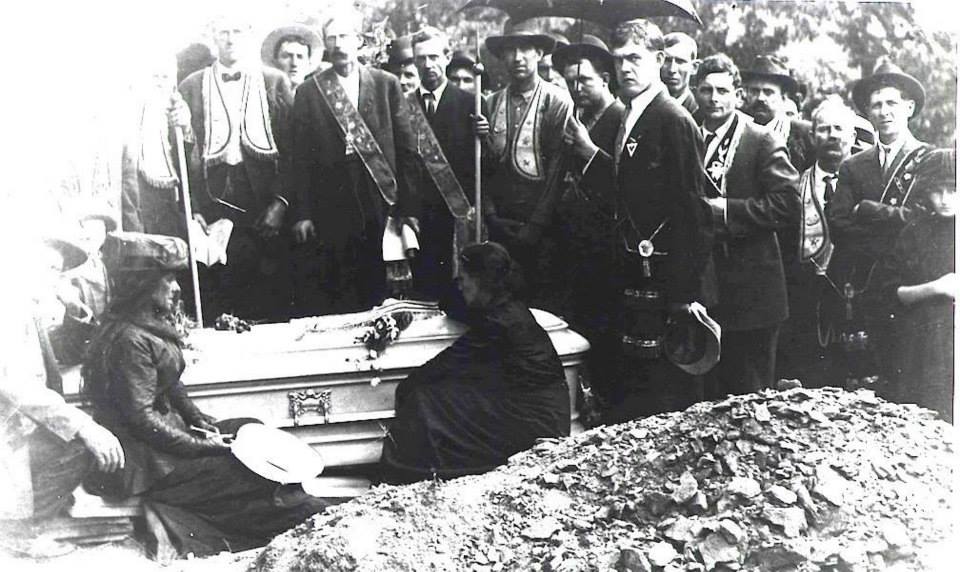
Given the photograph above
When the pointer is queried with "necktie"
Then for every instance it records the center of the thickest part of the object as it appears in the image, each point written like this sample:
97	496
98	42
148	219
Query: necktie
885	162
828	188
227	77
430	104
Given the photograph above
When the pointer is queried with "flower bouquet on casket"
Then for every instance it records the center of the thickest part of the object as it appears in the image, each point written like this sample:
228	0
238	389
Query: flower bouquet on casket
384	330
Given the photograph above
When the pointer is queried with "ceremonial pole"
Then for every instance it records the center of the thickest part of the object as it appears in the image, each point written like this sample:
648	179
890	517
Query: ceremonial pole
188	214
477	148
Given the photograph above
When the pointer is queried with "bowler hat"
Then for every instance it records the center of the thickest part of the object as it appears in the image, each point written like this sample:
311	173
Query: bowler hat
888	74
522	33
772	68
400	51
73	255
590	47
692	342
268	48
137	252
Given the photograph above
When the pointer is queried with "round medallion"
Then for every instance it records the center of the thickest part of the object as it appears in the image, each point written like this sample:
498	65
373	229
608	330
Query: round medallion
646	248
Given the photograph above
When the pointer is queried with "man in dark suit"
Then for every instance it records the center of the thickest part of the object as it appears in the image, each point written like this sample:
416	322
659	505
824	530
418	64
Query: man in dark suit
766	89
586	226
754	194
449	111
352	164
678	64
237	115
664	233
872	204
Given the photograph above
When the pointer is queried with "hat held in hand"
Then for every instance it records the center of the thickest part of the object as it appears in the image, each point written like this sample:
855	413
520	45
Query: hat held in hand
692	342
138	252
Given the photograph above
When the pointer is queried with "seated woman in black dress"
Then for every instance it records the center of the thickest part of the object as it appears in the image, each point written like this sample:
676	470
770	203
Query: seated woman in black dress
491	394
206	500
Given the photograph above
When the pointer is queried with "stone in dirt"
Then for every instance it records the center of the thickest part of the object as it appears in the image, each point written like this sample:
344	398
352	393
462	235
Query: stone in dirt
661	554
687	489
715	549
633	560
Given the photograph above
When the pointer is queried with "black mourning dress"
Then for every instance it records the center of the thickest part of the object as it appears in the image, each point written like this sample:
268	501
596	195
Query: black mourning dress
491	394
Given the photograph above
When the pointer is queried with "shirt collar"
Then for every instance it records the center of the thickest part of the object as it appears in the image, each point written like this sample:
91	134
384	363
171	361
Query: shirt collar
819	173
722	130
897	145
640	103
437	93
526	95
219	67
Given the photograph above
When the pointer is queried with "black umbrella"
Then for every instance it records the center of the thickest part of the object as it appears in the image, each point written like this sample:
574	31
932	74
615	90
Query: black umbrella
606	12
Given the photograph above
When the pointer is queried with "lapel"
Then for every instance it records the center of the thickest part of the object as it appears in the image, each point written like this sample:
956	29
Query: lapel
367	86
631	142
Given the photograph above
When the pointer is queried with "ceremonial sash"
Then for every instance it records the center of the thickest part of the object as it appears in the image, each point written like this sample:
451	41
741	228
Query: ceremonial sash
253	129
815	244
356	133
524	149
155	161
443	177
718	163
901	182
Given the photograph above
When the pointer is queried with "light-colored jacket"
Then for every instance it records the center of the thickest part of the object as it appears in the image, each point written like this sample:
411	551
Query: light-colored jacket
25	404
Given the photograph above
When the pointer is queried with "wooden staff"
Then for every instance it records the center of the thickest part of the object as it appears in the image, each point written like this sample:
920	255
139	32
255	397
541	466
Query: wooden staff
188	214
477	149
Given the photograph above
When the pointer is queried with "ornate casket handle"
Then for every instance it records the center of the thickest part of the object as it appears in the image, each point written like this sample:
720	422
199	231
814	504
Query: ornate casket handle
316	400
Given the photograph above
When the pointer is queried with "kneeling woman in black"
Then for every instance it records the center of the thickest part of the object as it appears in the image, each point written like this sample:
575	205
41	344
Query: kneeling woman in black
491	394
206	500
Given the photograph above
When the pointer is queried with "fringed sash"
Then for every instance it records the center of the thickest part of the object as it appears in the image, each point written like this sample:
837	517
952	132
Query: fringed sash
719	162
155	163
815	244
442	175
254	129
356	133
524	149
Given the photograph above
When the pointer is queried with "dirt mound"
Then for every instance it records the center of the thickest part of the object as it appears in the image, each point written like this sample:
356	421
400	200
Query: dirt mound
794	480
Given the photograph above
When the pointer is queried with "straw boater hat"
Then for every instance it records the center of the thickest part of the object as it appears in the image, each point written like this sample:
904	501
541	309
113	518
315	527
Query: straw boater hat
772	68
521	33
269	46
887	74
590	47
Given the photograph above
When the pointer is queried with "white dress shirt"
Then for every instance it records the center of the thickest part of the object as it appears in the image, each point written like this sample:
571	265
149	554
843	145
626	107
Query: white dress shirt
635	109
719	134
437	94
889	152
232	92
819	185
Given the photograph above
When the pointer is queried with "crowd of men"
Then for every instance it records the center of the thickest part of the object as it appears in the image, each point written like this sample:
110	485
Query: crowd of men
637	185
629	180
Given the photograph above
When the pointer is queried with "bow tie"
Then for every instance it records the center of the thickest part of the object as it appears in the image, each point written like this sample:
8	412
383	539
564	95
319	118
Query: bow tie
226	77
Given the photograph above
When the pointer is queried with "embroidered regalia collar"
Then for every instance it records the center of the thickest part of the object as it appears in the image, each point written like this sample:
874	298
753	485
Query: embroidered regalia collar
720	156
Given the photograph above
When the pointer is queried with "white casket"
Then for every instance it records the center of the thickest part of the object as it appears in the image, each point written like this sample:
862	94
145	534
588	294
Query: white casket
323	386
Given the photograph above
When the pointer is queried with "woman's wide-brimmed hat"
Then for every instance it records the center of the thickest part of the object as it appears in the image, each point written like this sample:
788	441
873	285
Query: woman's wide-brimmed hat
888	74
141	252
269	46
693	343
73	254
590	47
772	68
523	33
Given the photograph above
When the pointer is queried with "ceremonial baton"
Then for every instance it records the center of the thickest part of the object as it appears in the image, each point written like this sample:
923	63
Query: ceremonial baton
477	150
188	214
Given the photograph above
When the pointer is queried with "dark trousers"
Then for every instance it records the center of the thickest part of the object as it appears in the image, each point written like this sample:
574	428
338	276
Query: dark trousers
343	270
747	362
57	469
648	387
800	354
255	282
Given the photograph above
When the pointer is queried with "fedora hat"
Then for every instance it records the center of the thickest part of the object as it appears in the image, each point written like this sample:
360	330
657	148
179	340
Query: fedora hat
772	68
269	46
888	74
521	33
590	47
137	252
400	51
692	343
73	255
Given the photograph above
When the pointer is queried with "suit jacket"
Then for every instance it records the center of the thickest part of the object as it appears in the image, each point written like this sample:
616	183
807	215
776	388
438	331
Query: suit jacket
318	144
688	101
862	238
663	179
266	176
762	197
800	145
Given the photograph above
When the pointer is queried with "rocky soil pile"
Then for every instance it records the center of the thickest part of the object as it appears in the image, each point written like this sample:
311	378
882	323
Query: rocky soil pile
795	480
